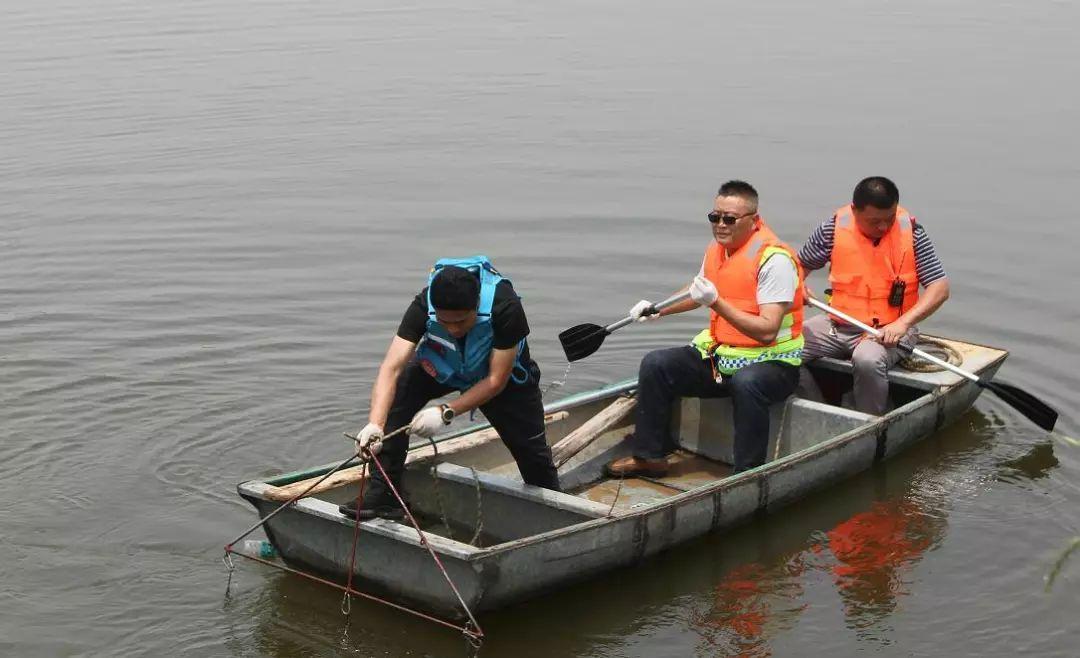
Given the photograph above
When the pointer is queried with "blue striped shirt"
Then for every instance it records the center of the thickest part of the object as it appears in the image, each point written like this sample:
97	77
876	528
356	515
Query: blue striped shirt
817	251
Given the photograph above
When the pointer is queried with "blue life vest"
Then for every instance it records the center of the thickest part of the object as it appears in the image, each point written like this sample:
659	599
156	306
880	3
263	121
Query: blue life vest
440	354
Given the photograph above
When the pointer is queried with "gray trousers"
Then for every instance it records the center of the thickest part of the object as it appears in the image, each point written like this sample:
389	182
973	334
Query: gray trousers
870	360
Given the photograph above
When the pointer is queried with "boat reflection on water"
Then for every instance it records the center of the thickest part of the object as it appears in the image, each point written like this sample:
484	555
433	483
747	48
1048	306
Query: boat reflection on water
752	603
873	553
867	557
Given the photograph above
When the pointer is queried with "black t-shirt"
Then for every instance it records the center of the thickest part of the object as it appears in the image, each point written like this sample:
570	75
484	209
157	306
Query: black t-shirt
508	322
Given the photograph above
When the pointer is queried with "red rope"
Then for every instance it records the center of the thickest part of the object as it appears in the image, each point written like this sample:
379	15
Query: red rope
464	629
475	633
423	541
356	525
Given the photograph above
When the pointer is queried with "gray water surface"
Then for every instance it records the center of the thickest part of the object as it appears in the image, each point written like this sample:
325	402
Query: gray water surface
212	215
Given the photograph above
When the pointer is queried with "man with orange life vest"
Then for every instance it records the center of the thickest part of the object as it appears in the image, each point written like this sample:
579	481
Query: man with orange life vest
466	332
751	351
878	256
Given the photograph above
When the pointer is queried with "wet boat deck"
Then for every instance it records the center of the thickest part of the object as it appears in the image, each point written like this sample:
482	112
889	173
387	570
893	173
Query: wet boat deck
688	471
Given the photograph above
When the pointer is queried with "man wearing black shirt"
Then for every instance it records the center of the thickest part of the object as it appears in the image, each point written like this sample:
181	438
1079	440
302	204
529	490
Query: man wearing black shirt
466	332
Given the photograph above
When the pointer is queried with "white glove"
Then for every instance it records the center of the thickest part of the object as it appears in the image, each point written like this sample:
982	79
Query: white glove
370	435
637	311
427	422
703	291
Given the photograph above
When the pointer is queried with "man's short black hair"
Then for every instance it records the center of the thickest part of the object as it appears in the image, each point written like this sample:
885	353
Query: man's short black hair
876	191
455	289
741	189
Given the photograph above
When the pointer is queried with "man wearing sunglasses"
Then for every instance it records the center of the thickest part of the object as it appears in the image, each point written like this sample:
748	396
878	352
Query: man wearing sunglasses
878	256
464	332
751	350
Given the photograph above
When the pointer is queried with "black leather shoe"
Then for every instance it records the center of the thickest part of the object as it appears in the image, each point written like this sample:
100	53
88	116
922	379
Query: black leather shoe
373	508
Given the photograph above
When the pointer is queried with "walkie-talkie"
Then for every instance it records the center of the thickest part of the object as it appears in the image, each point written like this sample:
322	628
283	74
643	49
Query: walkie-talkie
896	293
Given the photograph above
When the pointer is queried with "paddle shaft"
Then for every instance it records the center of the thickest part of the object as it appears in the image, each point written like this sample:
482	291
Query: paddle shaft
874	332
670	301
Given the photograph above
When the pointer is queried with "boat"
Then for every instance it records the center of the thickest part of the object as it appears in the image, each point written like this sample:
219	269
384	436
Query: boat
502	541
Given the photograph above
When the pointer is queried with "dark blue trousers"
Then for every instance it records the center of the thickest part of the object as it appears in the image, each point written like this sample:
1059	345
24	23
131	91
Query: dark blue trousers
668	374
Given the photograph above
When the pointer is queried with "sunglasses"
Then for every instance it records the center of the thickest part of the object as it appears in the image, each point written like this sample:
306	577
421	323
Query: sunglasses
729	220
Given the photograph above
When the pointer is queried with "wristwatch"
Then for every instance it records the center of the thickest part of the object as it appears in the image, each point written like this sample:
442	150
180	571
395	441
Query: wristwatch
447	413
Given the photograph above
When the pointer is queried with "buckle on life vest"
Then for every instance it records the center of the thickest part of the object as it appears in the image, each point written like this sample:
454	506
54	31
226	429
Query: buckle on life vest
515	369
714	364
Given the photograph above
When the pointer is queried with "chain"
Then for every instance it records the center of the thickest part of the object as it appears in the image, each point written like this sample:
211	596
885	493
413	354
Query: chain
227	559
442	507
614	500
474	639
555	383
437	489
426	544
479	508
780	432
367	453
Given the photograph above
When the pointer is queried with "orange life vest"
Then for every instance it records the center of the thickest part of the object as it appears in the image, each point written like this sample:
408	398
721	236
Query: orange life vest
862	273
736	277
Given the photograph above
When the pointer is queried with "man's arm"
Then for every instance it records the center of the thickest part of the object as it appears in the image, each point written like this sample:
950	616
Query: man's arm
777	282
931	300
679	307
382	393
931	274
762	327
499	367
817	250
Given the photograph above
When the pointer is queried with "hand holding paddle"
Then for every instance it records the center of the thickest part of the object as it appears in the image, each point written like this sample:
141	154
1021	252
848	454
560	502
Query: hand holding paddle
584	339
644	311
1033	408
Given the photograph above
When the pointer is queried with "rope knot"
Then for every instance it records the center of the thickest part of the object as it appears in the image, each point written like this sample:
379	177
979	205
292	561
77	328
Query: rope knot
370	449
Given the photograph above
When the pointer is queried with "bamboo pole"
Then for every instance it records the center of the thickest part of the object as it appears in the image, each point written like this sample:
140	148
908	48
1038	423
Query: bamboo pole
591	429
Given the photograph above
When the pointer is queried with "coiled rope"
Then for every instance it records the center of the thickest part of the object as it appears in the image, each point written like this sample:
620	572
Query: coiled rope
935	347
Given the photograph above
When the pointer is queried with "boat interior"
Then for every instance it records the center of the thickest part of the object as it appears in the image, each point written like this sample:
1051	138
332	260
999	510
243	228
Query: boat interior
475	496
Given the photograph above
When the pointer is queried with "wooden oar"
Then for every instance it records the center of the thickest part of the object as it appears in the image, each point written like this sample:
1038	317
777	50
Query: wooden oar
1030	406
584	339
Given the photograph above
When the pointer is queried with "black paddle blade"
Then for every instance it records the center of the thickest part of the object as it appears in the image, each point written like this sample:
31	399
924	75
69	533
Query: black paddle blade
581	341
1032	407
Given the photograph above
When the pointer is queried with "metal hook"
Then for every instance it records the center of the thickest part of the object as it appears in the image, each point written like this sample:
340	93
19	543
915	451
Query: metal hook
473	637
227	560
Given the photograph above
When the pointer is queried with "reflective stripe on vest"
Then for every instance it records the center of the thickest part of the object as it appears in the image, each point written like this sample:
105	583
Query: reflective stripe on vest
862	274
736	275
727	359
439	353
